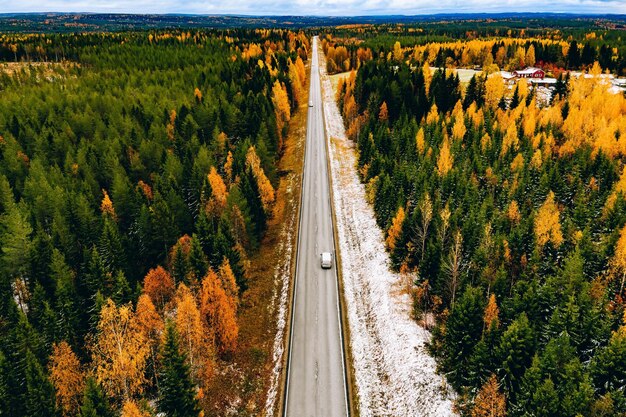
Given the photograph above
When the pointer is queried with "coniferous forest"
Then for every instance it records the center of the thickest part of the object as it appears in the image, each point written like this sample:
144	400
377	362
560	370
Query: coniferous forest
506	213
140	170
137	177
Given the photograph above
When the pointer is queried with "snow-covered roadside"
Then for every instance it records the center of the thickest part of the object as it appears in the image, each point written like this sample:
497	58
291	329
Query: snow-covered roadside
395	376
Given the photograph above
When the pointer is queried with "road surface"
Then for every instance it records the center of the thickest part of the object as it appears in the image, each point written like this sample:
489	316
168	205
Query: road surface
315	369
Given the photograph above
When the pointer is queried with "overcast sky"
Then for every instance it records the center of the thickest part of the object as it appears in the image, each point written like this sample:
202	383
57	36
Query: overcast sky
313	7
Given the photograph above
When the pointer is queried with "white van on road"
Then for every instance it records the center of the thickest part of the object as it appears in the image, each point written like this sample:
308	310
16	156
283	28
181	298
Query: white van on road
326	260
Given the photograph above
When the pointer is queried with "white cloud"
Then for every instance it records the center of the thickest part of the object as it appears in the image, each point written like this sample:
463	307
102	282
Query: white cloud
313	7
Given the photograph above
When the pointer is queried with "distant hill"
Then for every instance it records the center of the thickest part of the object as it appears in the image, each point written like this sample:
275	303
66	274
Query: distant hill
94	22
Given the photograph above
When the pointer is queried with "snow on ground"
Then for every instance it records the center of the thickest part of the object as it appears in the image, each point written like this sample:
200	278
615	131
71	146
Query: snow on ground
395	375
282	274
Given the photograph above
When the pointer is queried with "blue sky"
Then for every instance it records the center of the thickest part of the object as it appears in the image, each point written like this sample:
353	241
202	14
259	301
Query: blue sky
313	7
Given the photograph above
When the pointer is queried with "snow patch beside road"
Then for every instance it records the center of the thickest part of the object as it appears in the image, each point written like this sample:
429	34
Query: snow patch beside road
395	375
282	275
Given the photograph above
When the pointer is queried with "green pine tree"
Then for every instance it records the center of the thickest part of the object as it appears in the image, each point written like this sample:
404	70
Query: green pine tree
516	350
40	397
463	331
176	390
95	403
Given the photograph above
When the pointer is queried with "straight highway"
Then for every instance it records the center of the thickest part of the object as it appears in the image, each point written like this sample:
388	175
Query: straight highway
315	383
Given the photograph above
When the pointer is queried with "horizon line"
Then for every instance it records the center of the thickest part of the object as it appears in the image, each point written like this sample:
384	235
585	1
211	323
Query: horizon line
346	16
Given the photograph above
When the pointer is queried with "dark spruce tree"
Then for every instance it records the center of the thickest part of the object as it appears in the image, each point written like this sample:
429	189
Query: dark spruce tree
40	398
177	397
95	403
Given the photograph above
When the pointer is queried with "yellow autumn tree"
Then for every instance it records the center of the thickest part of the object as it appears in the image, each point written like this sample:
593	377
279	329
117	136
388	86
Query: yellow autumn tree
433	114
301	71
189	327
489	401
547	224
513	213
282	109
197	94
296	83
398	55
67	377
510	141
130	409
428	76
151	325
393	234
459	129
517	165
494	90
529	123
420	143
618	189
120	351
485	142
445	159
217	202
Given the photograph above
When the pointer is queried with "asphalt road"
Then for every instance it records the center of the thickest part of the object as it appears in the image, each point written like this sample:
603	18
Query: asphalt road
315	376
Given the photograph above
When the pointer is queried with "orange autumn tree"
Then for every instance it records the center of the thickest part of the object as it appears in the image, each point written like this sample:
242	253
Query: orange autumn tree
67	377
383	112
265	186
228	167
492	312
159	286
120	351
217	203
229	283
489	402
218	313
106	206
393	234
171	127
